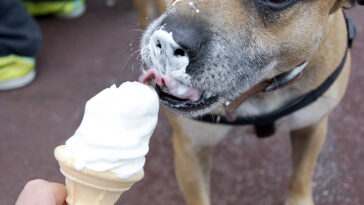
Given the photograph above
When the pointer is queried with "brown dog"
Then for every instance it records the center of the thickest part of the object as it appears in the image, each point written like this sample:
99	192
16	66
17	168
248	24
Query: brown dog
205	53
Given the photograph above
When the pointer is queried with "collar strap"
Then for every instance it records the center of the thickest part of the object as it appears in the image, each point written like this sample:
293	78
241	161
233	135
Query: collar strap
265	124
277	82
287	77
267	120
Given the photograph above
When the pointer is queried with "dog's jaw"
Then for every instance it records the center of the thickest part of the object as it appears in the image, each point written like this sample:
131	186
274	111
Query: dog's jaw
192	106
220	74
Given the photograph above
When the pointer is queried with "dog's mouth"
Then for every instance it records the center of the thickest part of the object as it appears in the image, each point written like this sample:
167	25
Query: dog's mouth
171	101
176	95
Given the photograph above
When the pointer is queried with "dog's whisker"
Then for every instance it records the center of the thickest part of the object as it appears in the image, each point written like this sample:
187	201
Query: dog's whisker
131	55
275	81
138	30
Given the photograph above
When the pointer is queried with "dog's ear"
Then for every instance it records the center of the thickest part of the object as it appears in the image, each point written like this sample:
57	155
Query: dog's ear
346	4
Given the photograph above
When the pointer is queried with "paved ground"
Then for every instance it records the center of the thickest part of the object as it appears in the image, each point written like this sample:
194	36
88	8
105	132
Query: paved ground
81	57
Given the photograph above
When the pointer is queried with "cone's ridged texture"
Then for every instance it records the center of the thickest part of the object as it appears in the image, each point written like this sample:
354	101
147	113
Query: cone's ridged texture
87	187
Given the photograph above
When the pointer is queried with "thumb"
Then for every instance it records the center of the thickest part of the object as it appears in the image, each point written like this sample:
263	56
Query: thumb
59	193
42	192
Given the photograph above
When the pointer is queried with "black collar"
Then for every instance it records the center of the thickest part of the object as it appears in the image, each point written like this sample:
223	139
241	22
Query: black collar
265	124
287	77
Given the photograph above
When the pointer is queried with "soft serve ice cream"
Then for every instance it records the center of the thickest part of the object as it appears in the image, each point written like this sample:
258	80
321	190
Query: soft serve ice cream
115	131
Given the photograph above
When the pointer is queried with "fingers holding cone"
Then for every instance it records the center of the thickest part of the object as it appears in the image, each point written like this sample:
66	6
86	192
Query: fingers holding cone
42	192
88	187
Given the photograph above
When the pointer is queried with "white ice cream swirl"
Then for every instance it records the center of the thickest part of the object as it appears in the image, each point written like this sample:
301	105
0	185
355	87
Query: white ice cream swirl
115	131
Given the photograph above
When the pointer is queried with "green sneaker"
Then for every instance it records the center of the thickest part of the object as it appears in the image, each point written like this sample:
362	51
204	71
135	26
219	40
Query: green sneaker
68	9
16	71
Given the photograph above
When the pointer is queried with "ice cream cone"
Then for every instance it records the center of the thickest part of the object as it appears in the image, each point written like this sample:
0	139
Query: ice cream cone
87	187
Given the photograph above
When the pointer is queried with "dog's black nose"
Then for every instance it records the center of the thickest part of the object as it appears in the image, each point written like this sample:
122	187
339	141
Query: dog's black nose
176	44
190	36
188	33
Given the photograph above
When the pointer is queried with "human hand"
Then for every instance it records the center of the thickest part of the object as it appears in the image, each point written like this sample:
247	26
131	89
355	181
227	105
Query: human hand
41	192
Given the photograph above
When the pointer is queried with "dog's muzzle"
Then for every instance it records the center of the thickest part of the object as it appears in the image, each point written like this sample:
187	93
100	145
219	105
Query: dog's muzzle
171	49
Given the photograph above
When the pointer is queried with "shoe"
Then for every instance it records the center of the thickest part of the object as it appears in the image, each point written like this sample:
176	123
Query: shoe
67	9
16	71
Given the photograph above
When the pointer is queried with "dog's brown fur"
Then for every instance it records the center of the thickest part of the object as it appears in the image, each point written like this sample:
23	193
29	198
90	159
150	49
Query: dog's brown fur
193	140
148	10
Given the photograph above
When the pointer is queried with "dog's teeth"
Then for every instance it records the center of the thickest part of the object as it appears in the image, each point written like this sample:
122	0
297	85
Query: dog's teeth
165	89
208	94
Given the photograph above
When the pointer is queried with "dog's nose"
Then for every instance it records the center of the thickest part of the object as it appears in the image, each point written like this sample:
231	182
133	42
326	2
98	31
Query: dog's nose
177	43
180	41
188	36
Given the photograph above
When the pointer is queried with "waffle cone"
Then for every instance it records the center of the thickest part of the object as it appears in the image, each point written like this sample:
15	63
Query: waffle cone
87	187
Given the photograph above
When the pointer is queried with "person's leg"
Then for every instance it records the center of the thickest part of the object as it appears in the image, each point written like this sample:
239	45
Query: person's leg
20	40
60	8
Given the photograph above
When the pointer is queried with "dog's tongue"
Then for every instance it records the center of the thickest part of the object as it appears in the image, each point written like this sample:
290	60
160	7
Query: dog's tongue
174	88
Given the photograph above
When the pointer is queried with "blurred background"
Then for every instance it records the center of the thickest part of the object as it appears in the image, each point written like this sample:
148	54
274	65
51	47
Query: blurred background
83	56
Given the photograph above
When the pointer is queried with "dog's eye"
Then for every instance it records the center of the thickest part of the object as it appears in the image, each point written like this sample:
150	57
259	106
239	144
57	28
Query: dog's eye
277	1
277	5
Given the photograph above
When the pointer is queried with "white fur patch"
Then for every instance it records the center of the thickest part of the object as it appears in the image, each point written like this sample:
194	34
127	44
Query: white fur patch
176	1
203	134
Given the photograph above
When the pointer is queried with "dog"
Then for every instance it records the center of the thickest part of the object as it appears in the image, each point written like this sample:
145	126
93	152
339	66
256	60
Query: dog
205	54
